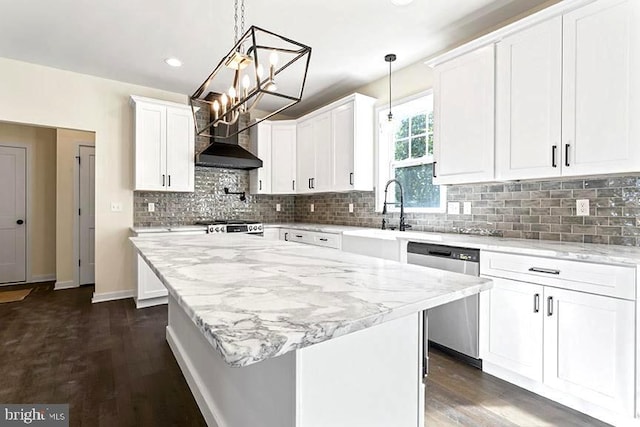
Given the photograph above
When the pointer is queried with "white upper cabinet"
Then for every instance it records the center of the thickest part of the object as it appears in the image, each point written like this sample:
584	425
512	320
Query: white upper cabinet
164	146
260	178
323	153
275	144
464	118
529	102
352	137
314	153
335	147
283	157
601	99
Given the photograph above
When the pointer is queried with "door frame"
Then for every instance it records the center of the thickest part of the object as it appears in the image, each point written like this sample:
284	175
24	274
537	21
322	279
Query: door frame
28	200
76	206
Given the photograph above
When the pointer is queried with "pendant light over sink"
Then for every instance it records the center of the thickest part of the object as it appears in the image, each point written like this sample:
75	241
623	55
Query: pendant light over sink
391	57
263	71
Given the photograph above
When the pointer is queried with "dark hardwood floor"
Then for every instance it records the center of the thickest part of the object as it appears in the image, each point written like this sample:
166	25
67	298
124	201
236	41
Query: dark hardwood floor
108	361
111	363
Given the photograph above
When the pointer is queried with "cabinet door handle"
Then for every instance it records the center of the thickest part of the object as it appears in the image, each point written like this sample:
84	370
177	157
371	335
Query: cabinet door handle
293	185
536	303
351	178
313	183
259	184
169	176
433	170
286	237
163	180
549	306
566	154
544	270
309	183
554	151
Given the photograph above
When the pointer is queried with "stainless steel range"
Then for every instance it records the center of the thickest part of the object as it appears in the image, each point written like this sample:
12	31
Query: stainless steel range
232	226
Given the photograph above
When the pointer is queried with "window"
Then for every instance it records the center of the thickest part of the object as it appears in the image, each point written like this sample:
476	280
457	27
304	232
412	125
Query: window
406	154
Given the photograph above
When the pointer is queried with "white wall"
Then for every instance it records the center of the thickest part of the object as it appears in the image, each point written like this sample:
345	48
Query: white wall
34	94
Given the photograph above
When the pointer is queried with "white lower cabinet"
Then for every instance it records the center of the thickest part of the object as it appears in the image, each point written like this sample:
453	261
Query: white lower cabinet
560	341
327	240
151	291
589	348
509	309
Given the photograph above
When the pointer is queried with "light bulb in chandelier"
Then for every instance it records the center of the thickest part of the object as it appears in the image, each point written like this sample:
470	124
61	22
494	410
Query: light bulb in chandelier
260	71
232	94
216	109
246	82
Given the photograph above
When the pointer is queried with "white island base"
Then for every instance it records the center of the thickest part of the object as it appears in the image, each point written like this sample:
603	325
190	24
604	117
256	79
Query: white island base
372	377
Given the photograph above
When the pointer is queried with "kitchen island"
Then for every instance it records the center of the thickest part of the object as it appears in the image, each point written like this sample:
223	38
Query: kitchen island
273	333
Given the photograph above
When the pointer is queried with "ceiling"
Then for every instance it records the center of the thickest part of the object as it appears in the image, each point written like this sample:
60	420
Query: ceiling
128	40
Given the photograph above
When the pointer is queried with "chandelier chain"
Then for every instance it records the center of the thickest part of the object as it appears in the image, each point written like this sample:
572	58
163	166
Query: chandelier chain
235	21
242	18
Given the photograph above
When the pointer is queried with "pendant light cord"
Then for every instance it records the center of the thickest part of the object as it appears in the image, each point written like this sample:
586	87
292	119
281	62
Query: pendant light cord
390	115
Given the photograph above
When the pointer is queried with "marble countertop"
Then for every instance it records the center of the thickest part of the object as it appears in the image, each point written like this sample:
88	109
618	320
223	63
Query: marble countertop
255	299
589	252
168	229
322	228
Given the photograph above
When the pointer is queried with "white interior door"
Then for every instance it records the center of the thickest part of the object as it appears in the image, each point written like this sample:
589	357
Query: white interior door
13	209
87	214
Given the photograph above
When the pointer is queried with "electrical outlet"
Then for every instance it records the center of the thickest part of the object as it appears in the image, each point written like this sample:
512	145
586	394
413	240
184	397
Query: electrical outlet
278	207
151	207
350	207
116	207
582	207
467	208
312	208
453	208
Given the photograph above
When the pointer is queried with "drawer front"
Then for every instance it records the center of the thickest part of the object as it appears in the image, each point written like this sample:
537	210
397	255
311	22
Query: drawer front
300	236
327	240
601	279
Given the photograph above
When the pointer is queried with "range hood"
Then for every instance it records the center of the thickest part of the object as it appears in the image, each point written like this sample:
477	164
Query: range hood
224	152
229	156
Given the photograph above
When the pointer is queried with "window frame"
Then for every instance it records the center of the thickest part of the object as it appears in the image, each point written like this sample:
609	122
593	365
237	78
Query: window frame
385	157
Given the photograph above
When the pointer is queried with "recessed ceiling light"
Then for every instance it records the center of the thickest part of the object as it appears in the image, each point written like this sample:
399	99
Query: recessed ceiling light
401	2
173	62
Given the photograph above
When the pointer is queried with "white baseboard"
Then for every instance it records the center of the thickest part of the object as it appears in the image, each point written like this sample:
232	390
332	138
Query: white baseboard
42	278
112	296
152	302
68	284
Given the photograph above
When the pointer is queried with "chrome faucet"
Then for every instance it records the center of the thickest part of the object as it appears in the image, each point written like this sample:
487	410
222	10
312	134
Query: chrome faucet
403	225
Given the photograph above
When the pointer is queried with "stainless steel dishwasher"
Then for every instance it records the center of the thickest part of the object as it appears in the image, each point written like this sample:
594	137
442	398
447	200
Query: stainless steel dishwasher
452	327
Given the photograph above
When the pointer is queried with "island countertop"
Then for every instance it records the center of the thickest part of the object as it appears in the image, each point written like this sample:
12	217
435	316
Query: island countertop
255	299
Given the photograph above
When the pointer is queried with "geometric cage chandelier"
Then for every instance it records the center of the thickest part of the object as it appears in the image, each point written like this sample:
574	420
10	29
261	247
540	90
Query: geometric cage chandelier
264	72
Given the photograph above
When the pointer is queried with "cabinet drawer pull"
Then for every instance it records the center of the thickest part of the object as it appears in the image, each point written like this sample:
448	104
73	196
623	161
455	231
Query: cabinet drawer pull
554	151
351	178
544	270
549	306
299	236
536	303
322	239
566	154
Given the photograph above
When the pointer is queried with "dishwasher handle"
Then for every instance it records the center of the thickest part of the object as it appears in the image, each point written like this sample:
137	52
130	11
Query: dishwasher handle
439	253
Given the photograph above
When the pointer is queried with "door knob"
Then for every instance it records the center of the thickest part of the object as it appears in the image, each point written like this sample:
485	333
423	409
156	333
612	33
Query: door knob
19	222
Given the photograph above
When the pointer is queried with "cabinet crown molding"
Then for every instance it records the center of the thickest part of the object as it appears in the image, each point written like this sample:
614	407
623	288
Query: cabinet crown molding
134	99
335	104
517	26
